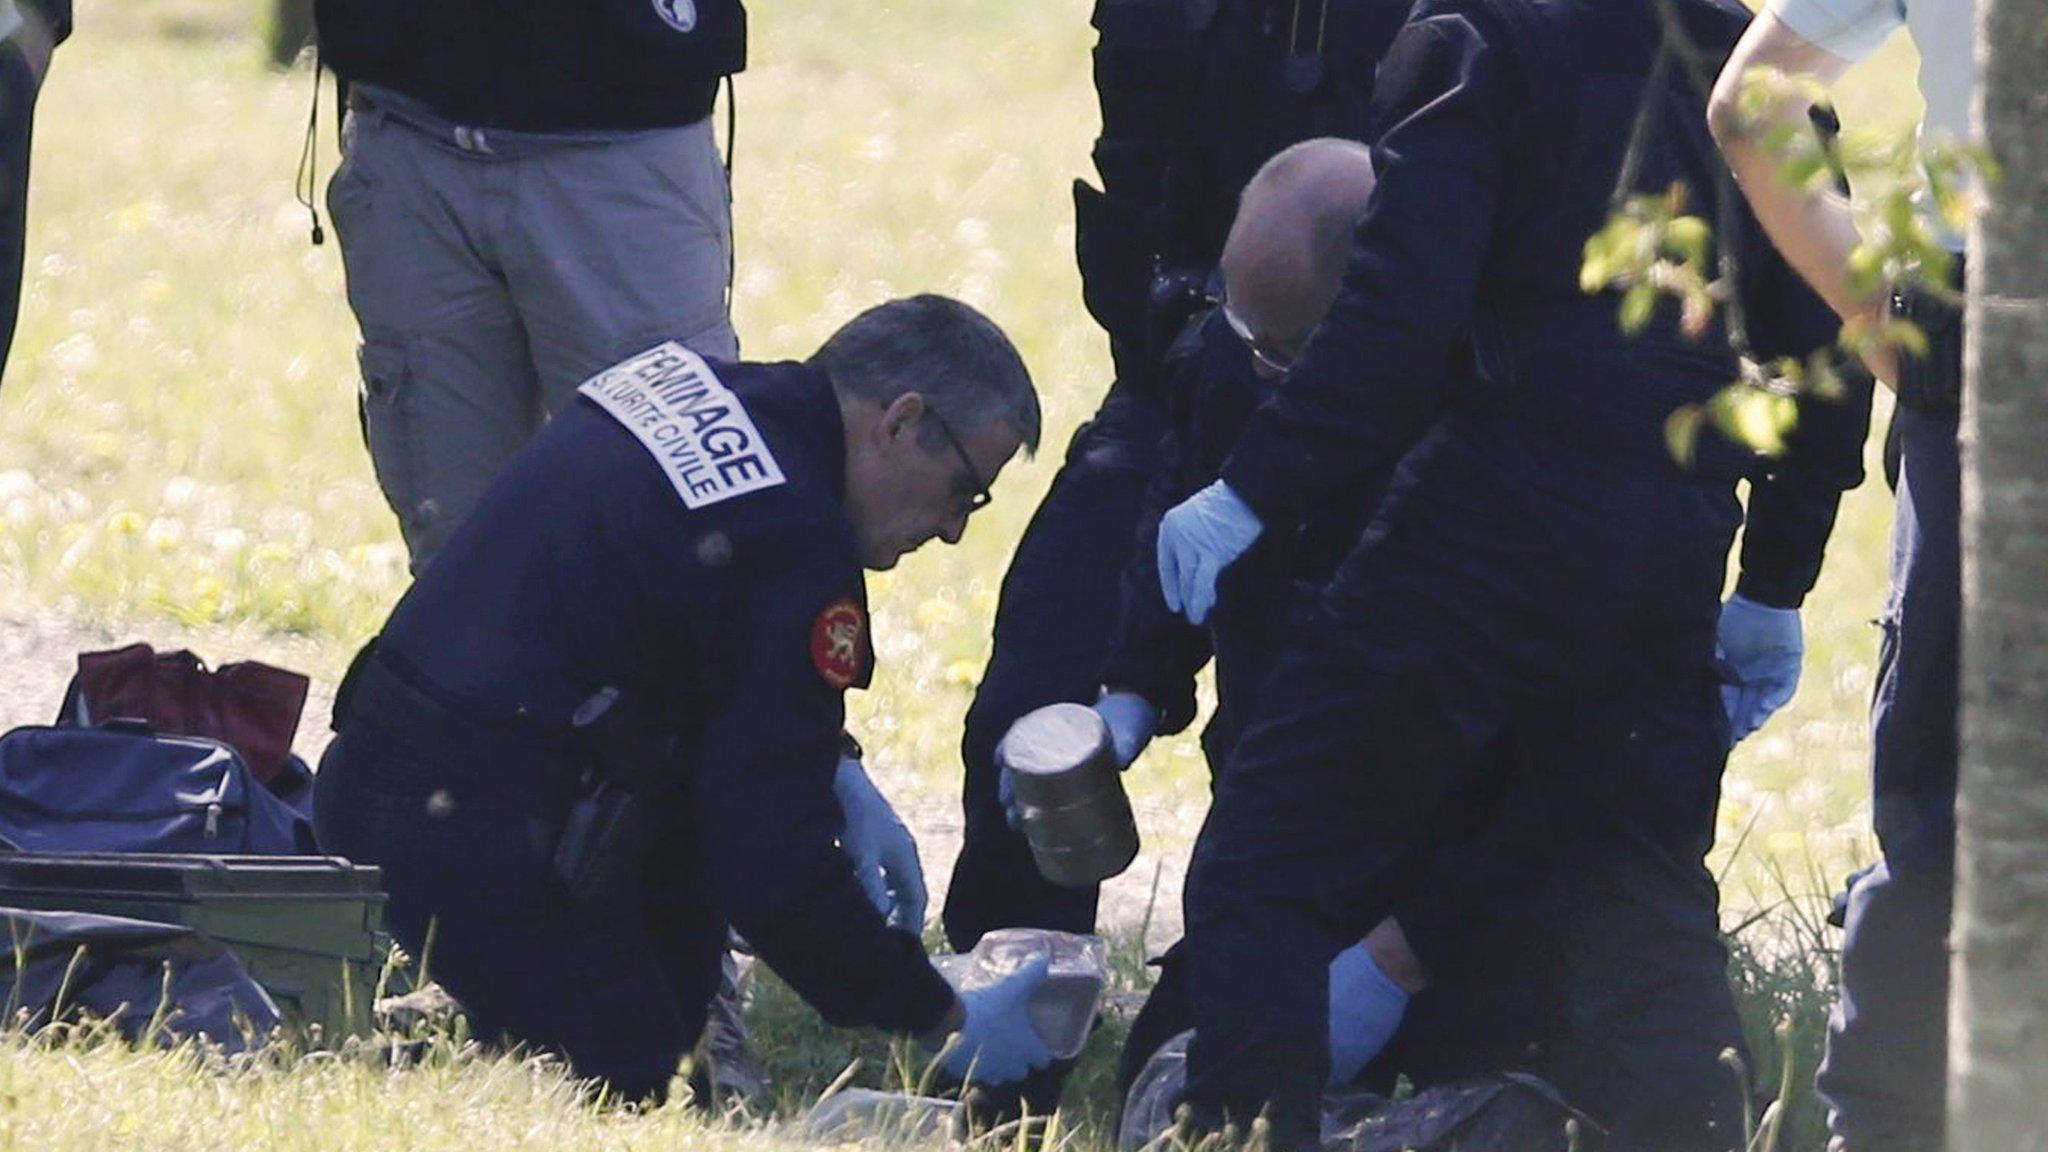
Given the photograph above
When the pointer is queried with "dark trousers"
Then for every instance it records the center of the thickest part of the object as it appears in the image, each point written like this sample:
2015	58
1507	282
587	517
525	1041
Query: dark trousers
1884	1076
1491	1006
619	992
18	83
1486	891
1498	589
1054	628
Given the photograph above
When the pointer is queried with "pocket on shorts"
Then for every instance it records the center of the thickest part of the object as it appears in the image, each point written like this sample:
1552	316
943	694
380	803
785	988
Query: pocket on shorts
387	408
675	197
686	162
349	189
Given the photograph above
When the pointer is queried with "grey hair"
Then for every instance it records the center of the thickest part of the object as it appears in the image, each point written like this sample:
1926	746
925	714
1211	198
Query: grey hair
956	358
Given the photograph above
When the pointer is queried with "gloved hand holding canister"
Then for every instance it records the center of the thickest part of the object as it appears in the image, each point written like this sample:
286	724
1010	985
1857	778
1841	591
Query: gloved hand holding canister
883	852
1132	721
1059	783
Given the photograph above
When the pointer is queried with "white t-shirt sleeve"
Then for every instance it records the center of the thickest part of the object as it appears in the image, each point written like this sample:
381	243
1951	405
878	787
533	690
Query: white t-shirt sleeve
1945	31
1851	29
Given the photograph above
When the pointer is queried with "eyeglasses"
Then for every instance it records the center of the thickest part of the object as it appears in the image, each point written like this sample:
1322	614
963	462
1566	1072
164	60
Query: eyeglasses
1266	357
981	497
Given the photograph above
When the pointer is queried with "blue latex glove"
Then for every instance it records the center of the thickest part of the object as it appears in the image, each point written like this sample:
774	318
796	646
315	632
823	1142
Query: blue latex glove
997	1044
1365	1008
1762	648
1132	721
1198	539
884	853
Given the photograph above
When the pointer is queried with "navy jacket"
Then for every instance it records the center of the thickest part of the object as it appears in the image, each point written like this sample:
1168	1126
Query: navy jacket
1485	851
1499	132
1158	653
739	621
541	65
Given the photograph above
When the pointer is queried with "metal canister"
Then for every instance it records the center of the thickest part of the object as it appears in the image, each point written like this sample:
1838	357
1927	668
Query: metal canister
1070	796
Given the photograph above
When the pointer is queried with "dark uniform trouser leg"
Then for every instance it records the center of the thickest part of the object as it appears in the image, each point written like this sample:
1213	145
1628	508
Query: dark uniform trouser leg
529	963
1053	632
17	116
1884	1074
1462	598
1472	901
1286	868
679	921
1644	1009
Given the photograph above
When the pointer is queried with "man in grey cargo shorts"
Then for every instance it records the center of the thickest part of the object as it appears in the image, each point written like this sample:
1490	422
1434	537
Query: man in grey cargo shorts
528	194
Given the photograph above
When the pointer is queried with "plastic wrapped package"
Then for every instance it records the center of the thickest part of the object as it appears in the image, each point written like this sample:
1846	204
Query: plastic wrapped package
871	1116
1063	1009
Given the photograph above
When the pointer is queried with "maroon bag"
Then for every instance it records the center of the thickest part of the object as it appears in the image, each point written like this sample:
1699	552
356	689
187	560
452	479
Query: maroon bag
252	707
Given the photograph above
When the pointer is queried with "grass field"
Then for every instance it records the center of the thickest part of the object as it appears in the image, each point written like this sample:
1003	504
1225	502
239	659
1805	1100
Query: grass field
178	443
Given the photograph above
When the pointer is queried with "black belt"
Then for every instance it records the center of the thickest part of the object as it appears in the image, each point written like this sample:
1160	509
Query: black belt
538	771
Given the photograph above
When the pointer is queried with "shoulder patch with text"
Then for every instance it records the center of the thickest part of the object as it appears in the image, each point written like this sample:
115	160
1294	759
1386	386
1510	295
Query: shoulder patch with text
839	643
689	421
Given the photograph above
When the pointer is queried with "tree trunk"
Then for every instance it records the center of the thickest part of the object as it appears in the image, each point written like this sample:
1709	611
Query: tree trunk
1998	1065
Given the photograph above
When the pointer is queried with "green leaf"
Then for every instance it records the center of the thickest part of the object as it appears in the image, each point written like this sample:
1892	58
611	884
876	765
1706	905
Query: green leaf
1866	268
1821	378
1905	336
1682	433
1754	417
1637	306
1900	215
1607	254
1690	237
1798	171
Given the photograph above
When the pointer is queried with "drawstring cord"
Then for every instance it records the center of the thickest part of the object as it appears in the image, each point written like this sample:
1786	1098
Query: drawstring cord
305	181
732	138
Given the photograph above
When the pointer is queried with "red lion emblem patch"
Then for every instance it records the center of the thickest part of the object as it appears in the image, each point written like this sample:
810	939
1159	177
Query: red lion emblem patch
839	643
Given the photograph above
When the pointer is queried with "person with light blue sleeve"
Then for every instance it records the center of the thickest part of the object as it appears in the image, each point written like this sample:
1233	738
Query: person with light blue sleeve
1883	1076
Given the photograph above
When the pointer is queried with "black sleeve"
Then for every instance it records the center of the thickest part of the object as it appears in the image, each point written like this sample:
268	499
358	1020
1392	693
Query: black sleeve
1371	380
1157	652
766	819
1792	507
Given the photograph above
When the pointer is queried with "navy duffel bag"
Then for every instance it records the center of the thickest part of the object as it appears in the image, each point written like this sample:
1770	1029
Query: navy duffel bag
139	974
121	787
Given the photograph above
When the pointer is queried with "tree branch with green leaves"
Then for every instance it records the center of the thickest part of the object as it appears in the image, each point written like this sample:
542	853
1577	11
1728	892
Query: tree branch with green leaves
1654	247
